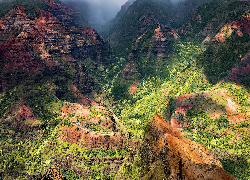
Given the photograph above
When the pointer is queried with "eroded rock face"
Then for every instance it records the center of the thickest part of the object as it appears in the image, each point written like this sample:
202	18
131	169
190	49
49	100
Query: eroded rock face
28	46
96	140
160	43
201	25
166	154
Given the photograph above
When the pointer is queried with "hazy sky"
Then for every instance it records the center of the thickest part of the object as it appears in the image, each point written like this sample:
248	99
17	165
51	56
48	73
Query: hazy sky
120	2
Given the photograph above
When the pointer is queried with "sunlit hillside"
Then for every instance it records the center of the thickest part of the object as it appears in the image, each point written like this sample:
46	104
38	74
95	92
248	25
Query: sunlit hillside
162	93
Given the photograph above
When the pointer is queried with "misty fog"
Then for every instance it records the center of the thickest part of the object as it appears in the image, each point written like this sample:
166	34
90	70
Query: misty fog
98	12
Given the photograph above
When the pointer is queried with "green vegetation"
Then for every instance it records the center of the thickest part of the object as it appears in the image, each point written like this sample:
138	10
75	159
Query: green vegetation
218	60
31	6
30	146
157	95
153	94
229	143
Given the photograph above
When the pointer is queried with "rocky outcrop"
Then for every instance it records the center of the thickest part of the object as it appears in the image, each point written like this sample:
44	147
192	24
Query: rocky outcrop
21	112
95	140
65	14
166	154
25	114
241	25
156	42
83	100
87	116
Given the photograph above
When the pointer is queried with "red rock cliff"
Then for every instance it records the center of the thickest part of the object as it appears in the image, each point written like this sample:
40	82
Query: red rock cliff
166	154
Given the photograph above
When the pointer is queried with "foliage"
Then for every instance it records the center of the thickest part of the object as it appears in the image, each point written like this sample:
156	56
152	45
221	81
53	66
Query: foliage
198	120
218	60
31	12
153	94
227	141
7	100
6	6
159	82
215	13
240	93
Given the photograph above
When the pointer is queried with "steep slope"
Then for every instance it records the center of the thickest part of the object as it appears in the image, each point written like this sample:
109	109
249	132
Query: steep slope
223	29
240	73
227	49
45	58
167	154
215	104
109	24
209	18
54	116
151	50
61	11
143	14
214	116
44	46
124	8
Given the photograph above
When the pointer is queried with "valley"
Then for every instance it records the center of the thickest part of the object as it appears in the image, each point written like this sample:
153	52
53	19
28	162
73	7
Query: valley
161	91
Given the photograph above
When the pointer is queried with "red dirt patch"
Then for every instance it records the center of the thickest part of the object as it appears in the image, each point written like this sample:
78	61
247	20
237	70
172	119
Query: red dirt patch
96	140
215	103
227	30
75	109
25	114
133	88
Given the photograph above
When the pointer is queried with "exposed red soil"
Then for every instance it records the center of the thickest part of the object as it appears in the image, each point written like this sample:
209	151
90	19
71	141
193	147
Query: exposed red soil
14	50
21	112
130	72
179	157
30	45
21	117
96	140
244	22
241	72
75	109
31	40
220	102
159	35
91	34
25	114
133	88
52	173
84	119
236	119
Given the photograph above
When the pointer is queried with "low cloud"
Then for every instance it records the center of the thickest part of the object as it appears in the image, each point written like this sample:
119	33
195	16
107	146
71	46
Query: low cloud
98	12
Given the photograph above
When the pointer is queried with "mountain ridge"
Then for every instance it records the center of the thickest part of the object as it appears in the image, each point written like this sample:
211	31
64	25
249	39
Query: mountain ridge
73	106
